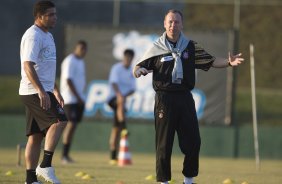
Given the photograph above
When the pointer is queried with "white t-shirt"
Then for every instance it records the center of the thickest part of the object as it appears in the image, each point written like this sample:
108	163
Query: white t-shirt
124	79
39	47
72	68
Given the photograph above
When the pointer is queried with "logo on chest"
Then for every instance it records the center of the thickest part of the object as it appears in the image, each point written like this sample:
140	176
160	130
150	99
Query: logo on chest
166	58
185	54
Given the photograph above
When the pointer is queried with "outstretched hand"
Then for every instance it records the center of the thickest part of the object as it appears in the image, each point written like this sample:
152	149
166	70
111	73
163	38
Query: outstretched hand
141	71
235	60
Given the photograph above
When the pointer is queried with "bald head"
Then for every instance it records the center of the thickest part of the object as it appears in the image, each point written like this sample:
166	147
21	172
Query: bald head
174	11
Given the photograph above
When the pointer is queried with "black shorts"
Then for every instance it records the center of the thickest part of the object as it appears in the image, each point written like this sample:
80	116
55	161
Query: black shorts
74	112
39	120
113	104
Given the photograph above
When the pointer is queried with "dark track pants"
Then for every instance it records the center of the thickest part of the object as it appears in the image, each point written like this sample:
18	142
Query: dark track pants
175	112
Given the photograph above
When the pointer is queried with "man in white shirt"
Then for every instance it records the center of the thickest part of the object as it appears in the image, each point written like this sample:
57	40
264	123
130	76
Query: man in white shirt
122	85
43	101
72	88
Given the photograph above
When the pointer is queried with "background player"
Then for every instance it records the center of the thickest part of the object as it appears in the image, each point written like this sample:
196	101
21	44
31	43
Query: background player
43	102
122	85
173	60
73	81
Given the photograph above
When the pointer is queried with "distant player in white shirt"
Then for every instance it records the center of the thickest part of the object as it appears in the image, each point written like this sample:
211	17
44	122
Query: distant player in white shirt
43	101
122	84
72	88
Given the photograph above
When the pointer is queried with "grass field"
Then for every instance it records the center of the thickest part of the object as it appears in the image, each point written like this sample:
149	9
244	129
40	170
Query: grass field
212	170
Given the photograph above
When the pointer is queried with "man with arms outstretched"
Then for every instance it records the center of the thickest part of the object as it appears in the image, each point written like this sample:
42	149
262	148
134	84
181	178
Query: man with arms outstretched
173	59
42	99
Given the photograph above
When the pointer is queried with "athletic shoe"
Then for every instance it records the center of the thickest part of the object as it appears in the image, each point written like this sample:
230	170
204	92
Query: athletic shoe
48	174
37	182
113	162
67	160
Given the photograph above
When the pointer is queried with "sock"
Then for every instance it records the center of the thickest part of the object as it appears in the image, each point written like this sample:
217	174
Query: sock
166	182
66	149
114	154
47	159
188	180
30	176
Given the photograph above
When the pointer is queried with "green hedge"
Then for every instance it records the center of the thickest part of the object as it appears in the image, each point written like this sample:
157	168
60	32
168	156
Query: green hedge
217	141
269	102
9	99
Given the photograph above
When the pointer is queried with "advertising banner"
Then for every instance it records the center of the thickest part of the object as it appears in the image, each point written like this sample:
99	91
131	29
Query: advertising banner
210	94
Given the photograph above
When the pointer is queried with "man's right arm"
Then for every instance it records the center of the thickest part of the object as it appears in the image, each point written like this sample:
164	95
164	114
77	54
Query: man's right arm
144	67
138	71
74	91
45	102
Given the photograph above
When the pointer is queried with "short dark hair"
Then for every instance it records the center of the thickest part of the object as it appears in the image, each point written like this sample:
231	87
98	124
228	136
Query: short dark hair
174	11
129	52
40	7
82	42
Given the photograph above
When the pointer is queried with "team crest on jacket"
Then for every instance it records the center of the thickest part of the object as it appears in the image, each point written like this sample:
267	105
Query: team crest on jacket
186	54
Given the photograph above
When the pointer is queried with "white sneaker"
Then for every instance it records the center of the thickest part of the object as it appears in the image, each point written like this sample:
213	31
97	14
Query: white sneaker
48	174
37	182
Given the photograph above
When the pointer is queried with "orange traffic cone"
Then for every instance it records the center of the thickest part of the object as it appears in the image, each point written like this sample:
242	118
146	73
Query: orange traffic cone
124	156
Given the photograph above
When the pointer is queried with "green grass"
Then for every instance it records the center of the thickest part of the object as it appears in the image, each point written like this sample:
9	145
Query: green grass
212	170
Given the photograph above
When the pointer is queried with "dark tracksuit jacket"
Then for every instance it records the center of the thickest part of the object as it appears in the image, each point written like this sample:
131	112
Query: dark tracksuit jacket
175	109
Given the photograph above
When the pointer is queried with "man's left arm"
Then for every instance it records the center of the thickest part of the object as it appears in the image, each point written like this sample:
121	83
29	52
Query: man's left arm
231	61
58	95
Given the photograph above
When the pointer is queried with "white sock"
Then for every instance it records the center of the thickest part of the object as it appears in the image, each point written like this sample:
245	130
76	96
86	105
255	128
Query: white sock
188	180
164	182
